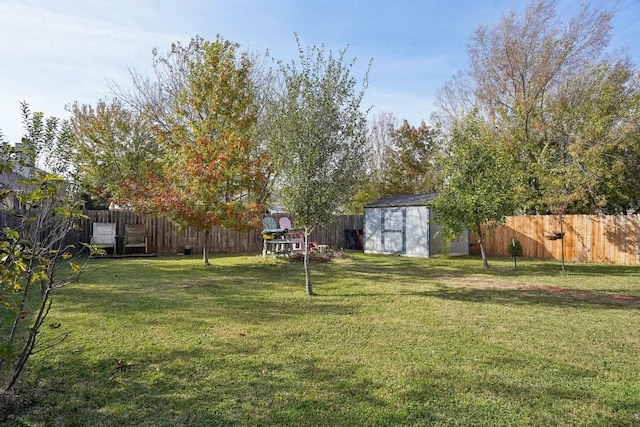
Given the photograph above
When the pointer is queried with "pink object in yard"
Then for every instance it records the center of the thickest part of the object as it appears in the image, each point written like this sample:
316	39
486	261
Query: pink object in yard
285	223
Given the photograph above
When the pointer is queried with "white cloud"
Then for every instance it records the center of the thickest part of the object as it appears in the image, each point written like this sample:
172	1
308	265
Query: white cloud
55	52
50	59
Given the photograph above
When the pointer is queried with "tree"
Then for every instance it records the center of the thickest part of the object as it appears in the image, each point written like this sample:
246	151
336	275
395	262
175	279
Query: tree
380	143
213	171
43	144
38	209
401	160
520	74
111	146
595	123
480	182
379	148
204	165
411	166
517	64
318	139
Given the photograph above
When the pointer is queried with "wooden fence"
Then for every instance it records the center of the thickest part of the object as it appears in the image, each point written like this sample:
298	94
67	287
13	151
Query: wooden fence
613	239
164	237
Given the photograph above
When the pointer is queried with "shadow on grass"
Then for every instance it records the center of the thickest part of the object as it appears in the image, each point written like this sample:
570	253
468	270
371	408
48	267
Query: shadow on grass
235	379
174	290
237	304
251	291
537	295
302	391
229	387
255	273
472	265
521	388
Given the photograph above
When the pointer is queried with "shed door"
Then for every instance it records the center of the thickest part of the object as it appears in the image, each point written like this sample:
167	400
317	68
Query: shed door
393	229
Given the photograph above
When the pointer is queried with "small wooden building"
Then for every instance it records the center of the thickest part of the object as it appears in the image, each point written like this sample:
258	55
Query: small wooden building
404	225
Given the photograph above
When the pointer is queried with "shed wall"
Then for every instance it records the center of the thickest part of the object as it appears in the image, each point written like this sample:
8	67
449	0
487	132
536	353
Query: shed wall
372	230
397	230
457	247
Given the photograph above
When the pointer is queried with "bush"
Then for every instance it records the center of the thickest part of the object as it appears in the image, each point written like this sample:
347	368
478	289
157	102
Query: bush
515	248
40	210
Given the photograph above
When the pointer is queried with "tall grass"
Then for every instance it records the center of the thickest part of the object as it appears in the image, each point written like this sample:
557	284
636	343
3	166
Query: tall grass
388	341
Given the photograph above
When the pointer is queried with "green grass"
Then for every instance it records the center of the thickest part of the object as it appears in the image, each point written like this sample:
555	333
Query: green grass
388	341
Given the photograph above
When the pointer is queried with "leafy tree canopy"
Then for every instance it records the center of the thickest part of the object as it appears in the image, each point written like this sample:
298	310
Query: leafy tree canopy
480	181
183	145
565	107
318	138
411	166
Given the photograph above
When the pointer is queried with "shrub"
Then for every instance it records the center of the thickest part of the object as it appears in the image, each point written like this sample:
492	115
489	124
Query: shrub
515	248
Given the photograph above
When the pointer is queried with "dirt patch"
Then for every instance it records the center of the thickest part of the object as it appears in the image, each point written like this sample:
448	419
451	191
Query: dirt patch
579	294
585	295
316	256
485	282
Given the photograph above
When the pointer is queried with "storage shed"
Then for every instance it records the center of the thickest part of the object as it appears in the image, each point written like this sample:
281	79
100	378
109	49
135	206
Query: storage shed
404	225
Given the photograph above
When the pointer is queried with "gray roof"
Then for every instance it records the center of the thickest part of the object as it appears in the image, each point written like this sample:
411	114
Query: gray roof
402	200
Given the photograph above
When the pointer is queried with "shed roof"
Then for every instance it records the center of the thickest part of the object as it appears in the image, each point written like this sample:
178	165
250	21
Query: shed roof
402	200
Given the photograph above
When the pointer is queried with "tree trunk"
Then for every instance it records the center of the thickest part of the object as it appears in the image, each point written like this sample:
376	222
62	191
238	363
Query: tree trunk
27	348
205	249
483	249
18	320
561	240
307	271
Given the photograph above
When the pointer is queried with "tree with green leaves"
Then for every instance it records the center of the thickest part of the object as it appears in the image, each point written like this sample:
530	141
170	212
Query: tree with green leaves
593	162
186	144
401	160
318	139
38	209
44	143
565	107
111	146
481	182
411	167
379	149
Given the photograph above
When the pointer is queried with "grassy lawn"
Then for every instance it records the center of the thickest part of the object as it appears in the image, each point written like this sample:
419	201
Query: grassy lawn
388	341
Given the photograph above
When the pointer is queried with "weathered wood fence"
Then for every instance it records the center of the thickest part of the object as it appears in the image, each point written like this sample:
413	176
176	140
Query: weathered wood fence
164	237
611	239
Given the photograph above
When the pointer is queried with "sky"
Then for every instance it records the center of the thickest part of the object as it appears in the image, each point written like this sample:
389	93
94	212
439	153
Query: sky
55	52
